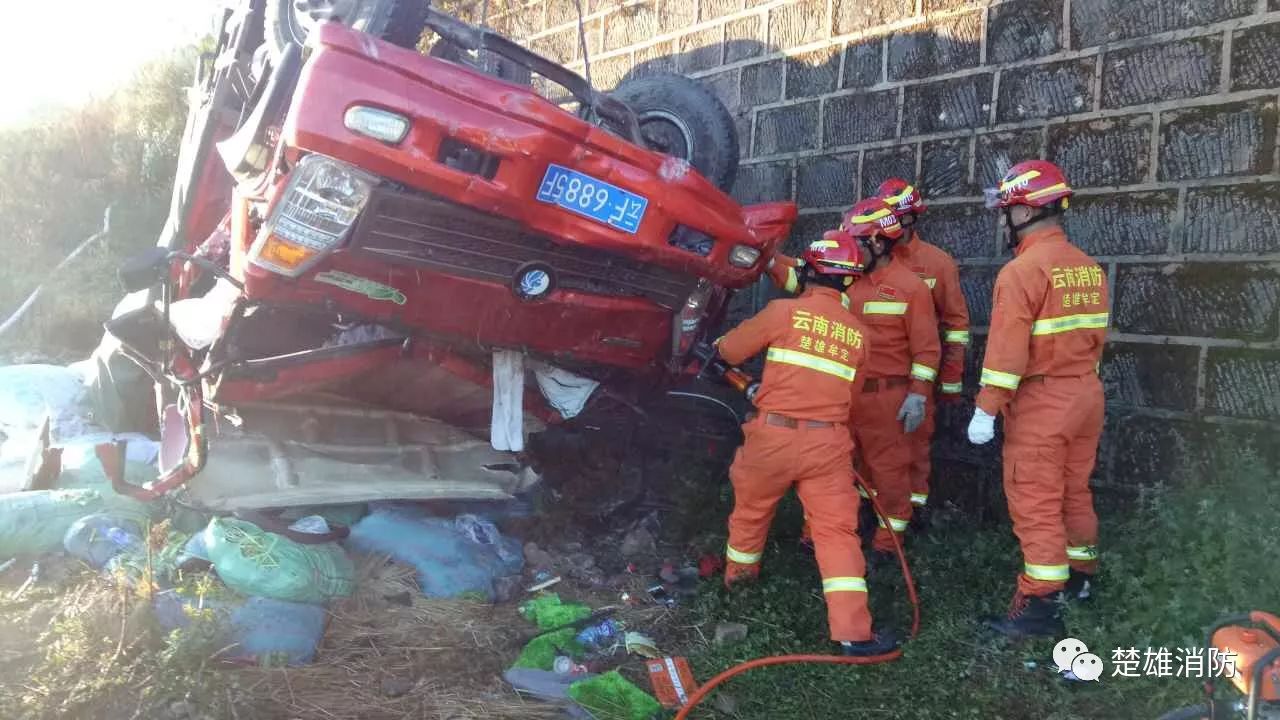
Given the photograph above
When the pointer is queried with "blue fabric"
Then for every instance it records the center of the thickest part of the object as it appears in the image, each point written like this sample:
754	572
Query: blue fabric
97	538
448	562
263	631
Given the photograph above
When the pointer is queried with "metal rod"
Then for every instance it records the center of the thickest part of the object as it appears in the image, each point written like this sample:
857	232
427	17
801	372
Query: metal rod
582	42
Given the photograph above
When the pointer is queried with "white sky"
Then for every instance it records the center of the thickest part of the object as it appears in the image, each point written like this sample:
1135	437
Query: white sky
58	52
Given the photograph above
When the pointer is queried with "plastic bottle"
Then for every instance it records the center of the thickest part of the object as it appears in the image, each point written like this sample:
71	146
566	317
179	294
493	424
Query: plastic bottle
597	635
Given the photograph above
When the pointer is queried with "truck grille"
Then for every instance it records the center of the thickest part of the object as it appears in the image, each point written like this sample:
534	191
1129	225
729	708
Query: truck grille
452	239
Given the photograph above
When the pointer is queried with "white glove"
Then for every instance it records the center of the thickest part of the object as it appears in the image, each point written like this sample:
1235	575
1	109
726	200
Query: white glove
912	412
982	428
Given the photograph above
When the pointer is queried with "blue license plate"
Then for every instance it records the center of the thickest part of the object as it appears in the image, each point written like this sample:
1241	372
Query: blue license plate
593	198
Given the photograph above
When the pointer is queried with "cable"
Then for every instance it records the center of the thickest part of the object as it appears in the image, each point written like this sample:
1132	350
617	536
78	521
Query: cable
706	688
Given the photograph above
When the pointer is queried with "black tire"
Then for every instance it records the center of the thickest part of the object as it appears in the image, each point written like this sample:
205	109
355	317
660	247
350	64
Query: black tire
399	22
681	117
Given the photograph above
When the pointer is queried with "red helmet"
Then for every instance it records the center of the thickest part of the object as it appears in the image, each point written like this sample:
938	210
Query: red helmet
1034	183
835	254
901	196
872	218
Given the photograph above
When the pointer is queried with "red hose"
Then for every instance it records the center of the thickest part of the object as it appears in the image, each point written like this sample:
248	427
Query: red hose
706	688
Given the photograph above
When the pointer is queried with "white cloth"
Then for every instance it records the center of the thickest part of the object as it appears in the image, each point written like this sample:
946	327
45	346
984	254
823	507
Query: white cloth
198	321
982	428
506	431
566	392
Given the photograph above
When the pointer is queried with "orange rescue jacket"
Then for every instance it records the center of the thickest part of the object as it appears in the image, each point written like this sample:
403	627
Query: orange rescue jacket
896	309
1049	317
815	349
938	270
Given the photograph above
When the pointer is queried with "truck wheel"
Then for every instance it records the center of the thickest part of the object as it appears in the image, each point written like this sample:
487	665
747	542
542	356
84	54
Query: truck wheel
399	22
682	118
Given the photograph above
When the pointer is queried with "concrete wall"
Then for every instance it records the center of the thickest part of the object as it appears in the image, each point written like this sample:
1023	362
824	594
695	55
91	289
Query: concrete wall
1162	112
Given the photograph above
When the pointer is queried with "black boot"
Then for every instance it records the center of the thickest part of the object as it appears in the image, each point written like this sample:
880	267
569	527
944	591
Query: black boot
921	518
881	643
866	522
878	560
1081	586
1031	617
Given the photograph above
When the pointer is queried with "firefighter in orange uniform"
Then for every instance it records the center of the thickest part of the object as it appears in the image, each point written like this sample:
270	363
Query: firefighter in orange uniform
814	351
1048	326
938	270
895	307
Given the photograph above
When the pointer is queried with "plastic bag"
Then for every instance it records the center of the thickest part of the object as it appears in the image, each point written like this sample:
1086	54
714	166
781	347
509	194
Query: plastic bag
449	563
37	521
256	562
30	392
612	697
483	532
256	630
98	538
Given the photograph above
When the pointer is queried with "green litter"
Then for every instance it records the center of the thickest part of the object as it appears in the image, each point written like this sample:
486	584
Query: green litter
253	561
549	612
612	697
541	652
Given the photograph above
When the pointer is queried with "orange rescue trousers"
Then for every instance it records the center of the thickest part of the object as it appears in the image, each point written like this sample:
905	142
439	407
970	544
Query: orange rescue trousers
921	460
885	450
817	462
1052	428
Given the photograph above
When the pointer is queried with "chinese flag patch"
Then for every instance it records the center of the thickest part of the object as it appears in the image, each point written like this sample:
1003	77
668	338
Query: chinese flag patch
887	292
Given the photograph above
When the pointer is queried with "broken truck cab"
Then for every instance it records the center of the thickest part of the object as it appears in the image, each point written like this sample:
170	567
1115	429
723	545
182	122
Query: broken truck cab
399	218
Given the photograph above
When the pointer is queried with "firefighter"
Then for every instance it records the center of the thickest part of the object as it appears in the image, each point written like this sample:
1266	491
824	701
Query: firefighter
814	351
1048	326
939	272
895	307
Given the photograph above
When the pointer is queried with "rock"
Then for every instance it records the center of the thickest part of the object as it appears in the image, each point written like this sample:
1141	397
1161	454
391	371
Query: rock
537	558
506	588
581	561
725	703
638	542
573	547
730	633
397	686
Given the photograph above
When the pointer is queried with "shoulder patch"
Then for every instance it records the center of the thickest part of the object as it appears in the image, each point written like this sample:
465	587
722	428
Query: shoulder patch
888	293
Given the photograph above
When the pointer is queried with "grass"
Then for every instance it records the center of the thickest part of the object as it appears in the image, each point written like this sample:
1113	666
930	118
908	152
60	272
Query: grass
1173	561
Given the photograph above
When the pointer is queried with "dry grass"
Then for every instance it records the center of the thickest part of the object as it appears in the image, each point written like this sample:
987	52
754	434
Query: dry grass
391	653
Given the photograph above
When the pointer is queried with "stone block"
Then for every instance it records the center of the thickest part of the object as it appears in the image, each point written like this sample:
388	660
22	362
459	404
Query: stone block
944	168
1172	70
1243	383
743	39
855	15
561	46
862	63
859	118
762	83
813	73
826	181
1023	29
1115	151
977	281
997	152
631	25
965	231
654	59
711	9
1232	301
677	15
1122	223
742	123
607	73
798	23
701	50
940	46
1046	90
762	182
947	105
1255	57
786	129
1151	376
1233	219
1095	22
882	164
1146	451
1218	140
727	87
561	12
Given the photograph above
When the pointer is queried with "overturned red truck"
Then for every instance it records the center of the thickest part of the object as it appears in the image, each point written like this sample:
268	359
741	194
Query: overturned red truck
436	234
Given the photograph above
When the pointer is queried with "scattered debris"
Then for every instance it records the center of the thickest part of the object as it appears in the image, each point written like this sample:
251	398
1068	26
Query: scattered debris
544	584
549	612
536	557
727	632
725	703
641	645
638	542
611	695
672	681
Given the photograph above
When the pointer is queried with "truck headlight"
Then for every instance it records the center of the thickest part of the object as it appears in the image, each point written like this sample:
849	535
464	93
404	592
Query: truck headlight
743	256
315	212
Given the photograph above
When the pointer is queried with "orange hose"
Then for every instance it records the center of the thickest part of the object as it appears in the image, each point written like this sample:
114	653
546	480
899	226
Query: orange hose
702	692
